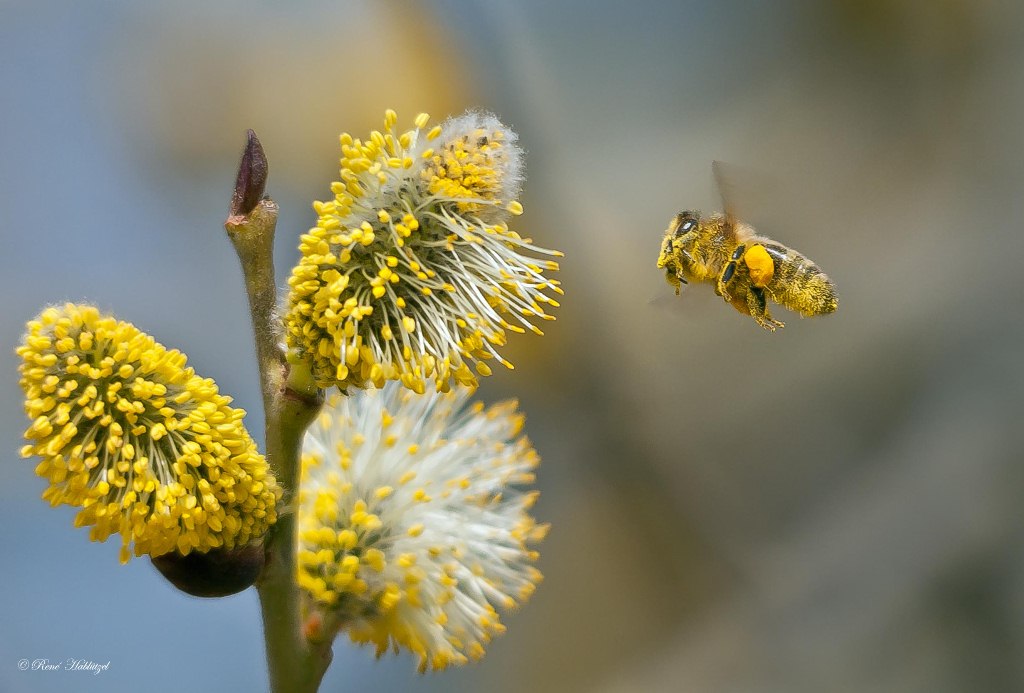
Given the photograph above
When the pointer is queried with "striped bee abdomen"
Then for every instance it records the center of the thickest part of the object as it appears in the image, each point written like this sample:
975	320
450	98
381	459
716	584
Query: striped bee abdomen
799	284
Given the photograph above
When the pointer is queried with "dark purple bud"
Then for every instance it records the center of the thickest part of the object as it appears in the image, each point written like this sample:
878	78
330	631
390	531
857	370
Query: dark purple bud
252	177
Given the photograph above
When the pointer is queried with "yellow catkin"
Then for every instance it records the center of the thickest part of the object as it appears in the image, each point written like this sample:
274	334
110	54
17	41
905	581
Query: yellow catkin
411	272
407	569
146	448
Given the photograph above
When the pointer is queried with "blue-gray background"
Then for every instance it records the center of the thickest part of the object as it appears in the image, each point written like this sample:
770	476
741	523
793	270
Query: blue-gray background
833	507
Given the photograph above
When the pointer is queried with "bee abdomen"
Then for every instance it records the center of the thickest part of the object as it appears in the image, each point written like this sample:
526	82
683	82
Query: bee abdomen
799	284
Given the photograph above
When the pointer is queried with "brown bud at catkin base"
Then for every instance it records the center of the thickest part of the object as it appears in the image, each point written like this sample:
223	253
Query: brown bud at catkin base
216	573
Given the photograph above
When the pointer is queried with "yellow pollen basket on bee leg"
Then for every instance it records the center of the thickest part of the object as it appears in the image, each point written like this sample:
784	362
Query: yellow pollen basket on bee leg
760	265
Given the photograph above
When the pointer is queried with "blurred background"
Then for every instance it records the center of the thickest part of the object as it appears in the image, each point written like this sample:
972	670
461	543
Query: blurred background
835	507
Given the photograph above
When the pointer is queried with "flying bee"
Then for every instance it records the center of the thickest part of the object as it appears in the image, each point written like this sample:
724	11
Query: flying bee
747	270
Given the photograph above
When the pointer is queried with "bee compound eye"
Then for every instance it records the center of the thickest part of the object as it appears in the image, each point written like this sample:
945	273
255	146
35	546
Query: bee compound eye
685	222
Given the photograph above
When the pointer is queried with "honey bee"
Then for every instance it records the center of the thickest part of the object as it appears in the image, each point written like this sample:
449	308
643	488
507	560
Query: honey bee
747	270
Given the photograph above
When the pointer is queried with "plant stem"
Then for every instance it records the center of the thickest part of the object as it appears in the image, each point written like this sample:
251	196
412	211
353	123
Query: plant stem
290	402
295	664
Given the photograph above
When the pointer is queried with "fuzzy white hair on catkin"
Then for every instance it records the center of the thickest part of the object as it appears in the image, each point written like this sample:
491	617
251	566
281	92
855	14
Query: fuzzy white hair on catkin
468	123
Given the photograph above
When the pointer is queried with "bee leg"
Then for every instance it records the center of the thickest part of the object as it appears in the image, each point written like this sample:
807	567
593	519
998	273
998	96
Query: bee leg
725	279
675	279
757	303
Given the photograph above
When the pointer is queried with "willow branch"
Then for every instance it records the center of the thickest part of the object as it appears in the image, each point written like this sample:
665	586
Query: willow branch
290	402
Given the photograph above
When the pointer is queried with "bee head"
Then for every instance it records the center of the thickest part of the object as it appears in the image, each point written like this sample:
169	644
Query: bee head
670	257
665	258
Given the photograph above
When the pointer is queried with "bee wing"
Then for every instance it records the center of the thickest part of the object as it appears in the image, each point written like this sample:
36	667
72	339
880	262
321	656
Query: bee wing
725	184
747	194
